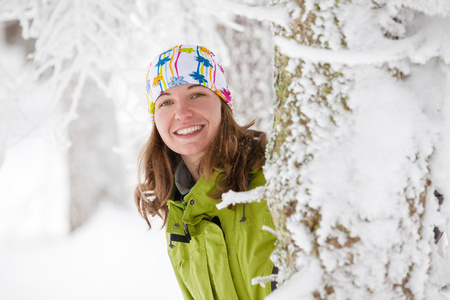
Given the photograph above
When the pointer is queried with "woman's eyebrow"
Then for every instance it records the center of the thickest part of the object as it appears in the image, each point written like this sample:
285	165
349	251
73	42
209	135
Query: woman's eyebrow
164	94
194	86
189	87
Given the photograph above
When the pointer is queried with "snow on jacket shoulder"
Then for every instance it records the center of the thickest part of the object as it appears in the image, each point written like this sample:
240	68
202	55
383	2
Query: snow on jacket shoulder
215	256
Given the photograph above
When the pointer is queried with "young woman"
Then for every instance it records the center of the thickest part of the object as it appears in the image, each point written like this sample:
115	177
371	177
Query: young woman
197	152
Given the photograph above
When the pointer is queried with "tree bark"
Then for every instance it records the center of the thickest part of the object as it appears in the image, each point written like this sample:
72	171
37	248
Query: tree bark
96	171
251	55
344	230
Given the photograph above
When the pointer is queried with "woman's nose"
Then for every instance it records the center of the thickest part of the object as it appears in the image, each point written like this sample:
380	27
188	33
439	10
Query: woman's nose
183	110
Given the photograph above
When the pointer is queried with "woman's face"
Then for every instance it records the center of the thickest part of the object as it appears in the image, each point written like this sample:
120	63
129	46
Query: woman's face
187	118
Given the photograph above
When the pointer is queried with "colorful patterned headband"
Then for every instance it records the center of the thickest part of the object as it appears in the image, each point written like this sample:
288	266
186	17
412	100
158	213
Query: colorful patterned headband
185	64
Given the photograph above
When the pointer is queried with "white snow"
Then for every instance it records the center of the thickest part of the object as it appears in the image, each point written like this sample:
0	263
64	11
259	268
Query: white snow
357	167
302	284
277	14
112	256
233	197
429	41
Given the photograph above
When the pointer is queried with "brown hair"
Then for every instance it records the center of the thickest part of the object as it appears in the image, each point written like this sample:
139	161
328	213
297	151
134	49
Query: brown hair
235	152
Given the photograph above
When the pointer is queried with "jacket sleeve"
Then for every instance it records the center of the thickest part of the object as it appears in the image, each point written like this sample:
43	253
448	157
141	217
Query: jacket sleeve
186	294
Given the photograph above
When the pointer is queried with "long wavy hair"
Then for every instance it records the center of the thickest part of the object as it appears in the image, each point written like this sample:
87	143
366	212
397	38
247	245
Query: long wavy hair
235	152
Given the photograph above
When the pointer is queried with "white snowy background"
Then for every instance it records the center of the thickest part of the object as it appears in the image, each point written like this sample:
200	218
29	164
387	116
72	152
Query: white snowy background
113	255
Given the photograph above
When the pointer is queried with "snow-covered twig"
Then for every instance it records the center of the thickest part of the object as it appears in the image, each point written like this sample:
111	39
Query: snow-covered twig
267	228
263	280
275	13
76	95
232	197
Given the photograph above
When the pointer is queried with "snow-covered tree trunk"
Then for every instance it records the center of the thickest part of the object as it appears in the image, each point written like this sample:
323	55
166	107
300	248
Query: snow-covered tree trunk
359	144
250	73
10	35
96	171
79	44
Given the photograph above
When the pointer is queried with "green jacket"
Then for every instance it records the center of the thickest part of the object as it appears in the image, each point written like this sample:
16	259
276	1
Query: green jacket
213	254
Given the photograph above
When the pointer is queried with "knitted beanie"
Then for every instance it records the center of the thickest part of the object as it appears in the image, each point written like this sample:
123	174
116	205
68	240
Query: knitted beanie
186	64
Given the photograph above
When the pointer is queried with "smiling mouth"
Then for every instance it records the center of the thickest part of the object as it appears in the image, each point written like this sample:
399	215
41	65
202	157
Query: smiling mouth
189	130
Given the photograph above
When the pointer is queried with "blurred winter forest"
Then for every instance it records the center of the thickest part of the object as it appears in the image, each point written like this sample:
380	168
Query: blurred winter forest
357	159
73	117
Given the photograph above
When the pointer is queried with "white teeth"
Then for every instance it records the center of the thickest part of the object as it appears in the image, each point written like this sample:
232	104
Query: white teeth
188	130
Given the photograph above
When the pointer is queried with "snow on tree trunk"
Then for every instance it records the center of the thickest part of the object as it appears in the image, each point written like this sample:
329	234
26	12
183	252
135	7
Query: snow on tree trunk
79	44
250	72
360	122
96	172
10	35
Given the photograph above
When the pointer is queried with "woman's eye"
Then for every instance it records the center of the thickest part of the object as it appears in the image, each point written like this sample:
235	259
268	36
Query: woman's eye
197	95
165	103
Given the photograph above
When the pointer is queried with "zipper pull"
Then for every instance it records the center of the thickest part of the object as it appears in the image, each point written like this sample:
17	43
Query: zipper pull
243	215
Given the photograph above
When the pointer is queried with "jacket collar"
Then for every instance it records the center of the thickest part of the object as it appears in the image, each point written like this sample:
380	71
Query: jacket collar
183	179
198	204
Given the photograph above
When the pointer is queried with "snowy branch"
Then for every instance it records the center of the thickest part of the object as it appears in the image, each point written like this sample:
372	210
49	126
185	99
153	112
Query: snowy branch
397	51
430	7
276	13
232	197
430	41
76	95
267	228
263	280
